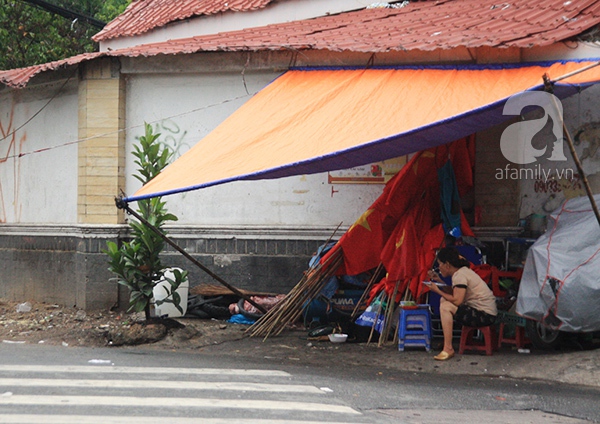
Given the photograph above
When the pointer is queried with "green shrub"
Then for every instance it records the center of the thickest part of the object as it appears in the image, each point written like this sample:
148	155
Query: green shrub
137	263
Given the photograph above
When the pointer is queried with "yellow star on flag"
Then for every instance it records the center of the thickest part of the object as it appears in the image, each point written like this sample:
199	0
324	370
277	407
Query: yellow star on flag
400	241
362	221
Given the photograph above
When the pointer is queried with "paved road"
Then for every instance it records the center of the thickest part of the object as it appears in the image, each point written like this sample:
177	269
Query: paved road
46	384
105	393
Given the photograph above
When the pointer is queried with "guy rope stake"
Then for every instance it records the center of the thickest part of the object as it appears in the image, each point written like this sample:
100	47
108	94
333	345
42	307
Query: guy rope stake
548	87
121	204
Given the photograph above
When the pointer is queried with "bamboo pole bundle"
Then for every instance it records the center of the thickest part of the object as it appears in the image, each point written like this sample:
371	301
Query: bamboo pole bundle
290	308
313	287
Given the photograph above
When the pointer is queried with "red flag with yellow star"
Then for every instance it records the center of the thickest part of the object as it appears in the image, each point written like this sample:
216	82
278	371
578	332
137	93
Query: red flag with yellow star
400	255
363	242
394	229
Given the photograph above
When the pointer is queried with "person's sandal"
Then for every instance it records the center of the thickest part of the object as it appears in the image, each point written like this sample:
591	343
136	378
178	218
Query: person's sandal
444	356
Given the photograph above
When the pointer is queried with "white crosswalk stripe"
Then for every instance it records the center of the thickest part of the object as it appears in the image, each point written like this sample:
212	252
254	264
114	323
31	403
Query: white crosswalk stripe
142	370
83	419
174	402
106	394
170	385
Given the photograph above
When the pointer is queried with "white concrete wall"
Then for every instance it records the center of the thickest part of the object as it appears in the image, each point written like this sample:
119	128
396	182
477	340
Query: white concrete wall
184	108
278	12
40	186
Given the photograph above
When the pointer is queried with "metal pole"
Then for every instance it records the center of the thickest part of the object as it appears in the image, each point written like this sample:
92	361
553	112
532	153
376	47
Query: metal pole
570	74
123	205
586	184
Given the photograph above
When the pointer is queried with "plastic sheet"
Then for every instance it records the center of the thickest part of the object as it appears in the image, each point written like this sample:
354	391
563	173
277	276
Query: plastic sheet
560	286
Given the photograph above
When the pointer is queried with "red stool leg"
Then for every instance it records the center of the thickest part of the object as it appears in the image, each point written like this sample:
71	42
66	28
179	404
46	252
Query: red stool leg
500	335
489	336
519	339
466	339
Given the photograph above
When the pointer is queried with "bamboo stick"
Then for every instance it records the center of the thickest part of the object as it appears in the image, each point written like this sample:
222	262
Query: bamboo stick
385	331
395	339
366	291
383	298
121	204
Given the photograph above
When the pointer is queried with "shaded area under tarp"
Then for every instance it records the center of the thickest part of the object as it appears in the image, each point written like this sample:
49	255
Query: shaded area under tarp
397	235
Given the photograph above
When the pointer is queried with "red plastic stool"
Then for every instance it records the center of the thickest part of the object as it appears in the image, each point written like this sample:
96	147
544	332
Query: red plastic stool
467	341
519	339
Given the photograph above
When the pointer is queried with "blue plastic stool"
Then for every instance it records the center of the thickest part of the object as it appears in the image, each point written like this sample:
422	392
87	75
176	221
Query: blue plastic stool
414	328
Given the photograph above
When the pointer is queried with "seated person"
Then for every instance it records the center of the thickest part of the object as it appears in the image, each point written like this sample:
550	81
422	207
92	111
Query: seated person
471	301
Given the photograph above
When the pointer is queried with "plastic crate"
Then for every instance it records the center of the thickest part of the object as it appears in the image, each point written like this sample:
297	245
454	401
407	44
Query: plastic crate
508	318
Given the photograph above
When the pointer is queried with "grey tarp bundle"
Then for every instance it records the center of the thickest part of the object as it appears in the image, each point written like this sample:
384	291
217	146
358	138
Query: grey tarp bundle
561	279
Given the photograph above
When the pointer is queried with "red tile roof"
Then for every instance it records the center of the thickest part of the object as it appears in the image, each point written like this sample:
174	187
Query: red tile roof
425	25
18	78
144	15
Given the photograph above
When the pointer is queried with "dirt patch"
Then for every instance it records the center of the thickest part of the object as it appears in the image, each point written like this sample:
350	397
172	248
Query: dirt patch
32	322
60	325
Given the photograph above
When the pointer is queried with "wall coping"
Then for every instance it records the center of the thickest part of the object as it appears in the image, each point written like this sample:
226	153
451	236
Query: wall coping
175	231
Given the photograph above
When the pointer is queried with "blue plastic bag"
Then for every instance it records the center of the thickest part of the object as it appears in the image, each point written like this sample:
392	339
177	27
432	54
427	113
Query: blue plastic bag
240	319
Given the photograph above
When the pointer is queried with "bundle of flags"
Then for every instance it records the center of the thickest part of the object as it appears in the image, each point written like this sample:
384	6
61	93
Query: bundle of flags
403	228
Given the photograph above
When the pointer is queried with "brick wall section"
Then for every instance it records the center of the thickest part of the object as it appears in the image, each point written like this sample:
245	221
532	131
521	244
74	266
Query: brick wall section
498	199
102	155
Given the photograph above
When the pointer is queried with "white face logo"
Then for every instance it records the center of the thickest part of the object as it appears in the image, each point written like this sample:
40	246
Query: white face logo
516	140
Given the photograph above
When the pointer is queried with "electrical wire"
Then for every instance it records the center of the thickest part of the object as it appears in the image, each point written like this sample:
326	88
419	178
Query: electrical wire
81	140
10	134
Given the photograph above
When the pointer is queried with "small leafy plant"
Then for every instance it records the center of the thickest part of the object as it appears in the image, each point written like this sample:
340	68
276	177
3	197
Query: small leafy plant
137	263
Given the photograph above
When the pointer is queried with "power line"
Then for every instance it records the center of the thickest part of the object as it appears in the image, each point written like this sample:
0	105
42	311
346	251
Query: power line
10	134
66	13
81	140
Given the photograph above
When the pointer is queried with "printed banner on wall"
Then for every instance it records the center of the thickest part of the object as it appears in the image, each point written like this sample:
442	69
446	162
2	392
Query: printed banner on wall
375	173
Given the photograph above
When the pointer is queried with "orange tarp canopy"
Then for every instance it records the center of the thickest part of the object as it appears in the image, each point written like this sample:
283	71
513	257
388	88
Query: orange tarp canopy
317	120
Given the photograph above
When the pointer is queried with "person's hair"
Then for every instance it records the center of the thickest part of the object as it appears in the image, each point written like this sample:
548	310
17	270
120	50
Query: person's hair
451	255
